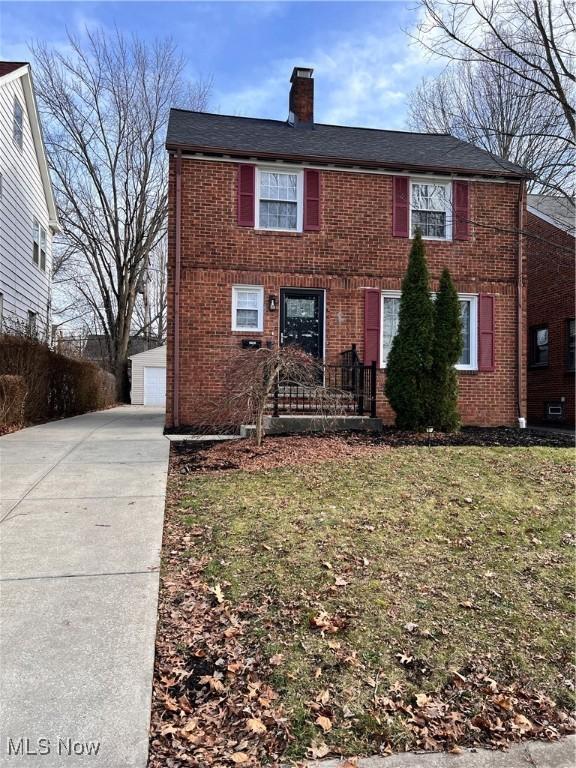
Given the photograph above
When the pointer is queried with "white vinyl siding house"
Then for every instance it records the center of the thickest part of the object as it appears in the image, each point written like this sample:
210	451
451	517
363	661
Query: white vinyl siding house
27	212
148	386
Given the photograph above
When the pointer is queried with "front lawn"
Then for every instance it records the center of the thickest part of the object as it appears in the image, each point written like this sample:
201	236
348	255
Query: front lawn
394	598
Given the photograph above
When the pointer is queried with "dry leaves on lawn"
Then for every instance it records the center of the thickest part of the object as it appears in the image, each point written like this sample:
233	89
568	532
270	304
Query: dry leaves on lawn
212	705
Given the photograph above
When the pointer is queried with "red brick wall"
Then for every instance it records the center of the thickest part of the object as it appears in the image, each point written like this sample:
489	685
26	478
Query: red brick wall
550	271
353	250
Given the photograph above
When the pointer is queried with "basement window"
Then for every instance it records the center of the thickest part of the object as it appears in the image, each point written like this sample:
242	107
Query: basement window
248	308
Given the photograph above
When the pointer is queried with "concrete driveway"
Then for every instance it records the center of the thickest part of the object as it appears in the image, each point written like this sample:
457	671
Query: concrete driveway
82	507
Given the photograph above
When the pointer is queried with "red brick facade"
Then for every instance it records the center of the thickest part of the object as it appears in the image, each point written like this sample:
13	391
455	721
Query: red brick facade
354	249
550	270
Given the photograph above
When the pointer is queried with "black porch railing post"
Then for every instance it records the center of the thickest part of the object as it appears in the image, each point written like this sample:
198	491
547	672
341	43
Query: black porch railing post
359	391
275	397
373	389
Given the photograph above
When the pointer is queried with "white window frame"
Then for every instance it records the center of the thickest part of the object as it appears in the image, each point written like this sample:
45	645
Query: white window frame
299	198
236	290
39	237
18	127
470	297
438	182
473	299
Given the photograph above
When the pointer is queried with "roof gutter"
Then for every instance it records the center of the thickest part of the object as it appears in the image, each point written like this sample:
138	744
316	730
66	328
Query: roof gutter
329	160
178	251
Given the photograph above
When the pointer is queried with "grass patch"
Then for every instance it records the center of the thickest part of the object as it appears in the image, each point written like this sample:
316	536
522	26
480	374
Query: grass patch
380	576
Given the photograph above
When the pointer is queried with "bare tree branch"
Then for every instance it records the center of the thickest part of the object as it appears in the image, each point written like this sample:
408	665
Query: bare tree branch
509	82
105	105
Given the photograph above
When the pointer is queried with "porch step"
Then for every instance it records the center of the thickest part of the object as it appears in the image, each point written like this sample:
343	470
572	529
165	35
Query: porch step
291	424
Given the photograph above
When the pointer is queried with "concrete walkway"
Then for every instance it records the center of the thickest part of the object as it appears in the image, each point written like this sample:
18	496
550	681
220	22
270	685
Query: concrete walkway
529	754
82	506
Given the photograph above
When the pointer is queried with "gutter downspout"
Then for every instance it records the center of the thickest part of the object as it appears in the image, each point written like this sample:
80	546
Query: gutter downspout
178	248
520	309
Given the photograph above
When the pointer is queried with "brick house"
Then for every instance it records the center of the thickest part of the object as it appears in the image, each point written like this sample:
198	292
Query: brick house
550	243
299	232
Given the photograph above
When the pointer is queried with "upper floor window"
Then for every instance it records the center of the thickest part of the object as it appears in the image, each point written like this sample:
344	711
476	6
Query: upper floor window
539	346
570	343
469	315
18	125
279	200
247	308
38	244
431	209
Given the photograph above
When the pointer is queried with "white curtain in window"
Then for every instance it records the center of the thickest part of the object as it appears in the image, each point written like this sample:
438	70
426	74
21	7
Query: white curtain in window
247	309
278	200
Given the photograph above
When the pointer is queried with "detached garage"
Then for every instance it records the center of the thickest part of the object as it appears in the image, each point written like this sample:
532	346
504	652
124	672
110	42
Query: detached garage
149	377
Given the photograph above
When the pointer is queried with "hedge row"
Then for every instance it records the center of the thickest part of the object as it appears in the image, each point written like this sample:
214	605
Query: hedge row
56	386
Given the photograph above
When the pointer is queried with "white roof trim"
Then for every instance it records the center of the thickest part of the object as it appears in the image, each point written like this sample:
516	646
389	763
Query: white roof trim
147	351
287	165
555	222
32	109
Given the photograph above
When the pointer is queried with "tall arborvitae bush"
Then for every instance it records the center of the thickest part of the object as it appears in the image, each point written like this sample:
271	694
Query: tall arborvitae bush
409	365
448	345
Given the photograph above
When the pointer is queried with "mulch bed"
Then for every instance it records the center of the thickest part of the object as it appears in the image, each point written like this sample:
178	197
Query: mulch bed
284	451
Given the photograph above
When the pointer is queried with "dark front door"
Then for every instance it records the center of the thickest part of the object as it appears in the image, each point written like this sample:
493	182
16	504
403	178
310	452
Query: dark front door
302	319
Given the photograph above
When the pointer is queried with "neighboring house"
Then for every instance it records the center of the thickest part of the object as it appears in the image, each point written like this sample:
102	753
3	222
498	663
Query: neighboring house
550	247
95	348
28	216
148	377
299	232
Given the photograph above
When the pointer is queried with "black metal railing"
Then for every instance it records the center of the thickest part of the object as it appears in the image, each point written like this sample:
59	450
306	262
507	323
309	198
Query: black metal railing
348	389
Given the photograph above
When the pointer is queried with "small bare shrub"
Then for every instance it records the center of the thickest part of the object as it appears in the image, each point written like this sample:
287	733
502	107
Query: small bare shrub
12	398
250	380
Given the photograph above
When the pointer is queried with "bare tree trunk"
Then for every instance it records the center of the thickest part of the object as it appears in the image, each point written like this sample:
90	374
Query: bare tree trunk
105	104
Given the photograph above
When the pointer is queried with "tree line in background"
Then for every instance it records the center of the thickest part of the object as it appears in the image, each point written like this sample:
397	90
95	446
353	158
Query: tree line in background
508	85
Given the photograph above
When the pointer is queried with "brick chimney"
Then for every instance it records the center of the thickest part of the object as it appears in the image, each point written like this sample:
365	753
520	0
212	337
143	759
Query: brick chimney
301	102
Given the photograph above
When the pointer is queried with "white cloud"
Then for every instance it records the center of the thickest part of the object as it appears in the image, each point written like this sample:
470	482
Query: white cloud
363	80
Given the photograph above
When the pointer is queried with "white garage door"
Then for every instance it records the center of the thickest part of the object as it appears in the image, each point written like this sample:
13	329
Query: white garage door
154	386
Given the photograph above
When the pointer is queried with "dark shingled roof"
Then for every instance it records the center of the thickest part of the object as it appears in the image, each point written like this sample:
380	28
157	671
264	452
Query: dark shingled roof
6	67
562	210
366	147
